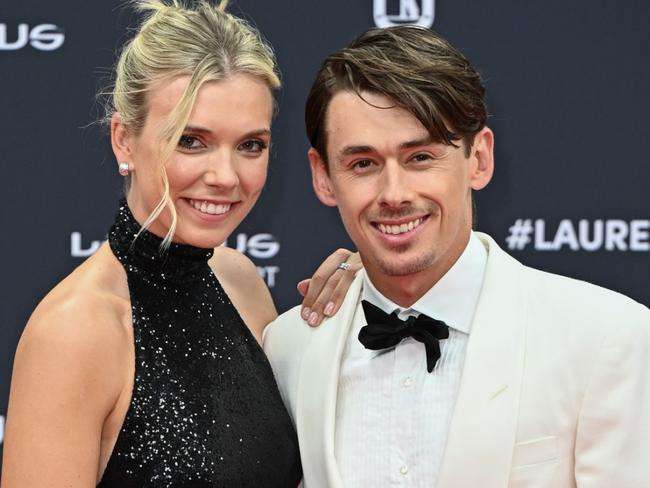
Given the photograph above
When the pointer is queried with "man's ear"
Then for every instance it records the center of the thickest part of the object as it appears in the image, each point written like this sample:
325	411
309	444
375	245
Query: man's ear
121	140
482	159
321	179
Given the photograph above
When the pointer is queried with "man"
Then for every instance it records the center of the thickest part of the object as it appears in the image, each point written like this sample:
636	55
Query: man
539	380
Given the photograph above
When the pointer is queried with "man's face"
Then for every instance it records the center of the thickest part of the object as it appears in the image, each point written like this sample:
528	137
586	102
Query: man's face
405	200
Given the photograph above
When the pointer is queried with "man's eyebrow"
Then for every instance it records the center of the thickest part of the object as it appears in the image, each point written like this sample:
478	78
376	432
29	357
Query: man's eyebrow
352	150
363	149
424	141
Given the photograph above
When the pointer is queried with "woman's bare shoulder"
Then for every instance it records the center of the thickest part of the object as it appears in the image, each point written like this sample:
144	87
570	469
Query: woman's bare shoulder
88	310
245	288
71	367
231	265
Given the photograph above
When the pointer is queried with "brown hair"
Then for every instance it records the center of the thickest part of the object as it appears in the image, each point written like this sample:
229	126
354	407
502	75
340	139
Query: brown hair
417	69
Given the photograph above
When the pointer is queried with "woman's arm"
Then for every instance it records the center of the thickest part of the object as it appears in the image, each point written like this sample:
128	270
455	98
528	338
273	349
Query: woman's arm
69	371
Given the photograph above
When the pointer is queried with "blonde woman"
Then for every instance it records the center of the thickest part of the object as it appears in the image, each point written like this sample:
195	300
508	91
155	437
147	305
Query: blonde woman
143	368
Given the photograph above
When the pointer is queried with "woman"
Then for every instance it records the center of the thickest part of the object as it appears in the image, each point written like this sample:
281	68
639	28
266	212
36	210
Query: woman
143	368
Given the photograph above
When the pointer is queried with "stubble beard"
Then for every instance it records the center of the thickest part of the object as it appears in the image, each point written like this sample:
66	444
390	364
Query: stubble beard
396	268
413	265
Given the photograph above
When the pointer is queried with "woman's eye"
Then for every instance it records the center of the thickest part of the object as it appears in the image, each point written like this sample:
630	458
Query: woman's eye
190	142
253	146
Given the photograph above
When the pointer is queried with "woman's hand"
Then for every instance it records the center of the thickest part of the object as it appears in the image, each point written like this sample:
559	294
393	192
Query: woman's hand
324	292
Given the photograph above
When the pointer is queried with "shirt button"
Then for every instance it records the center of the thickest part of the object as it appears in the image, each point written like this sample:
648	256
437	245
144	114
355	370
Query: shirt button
403	470
408	381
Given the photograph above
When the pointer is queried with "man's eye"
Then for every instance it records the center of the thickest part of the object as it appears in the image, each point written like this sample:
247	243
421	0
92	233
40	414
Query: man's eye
190	142
421	157
252	146
362	164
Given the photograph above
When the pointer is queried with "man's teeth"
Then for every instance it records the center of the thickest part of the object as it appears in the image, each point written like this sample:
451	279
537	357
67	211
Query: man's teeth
399	229
210	208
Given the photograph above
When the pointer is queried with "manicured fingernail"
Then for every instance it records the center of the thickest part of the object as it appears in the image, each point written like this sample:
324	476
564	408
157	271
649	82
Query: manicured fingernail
329	308
305	313
313	318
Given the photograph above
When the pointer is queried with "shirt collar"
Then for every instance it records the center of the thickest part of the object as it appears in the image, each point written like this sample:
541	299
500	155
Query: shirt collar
452	299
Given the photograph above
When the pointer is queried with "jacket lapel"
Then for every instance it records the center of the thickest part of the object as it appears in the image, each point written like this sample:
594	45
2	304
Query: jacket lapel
483	428
317	393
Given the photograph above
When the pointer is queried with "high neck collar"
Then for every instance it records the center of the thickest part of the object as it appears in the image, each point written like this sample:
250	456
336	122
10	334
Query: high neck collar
146	252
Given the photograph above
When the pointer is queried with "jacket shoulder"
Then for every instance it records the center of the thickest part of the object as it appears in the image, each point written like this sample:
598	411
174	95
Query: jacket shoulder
561	294
286	332
580	300
567	306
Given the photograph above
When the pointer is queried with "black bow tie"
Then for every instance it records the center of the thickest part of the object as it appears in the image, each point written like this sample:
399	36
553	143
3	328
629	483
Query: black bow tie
385	331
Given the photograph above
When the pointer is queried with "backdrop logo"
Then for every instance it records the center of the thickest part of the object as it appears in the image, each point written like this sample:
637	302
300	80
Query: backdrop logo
44	37
584	235
416	12
258	246
79	250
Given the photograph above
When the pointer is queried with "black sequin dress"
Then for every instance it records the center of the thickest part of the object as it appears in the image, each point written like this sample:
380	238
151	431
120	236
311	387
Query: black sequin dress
205	410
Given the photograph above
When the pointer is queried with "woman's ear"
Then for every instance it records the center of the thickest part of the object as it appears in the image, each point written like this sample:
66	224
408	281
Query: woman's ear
121	140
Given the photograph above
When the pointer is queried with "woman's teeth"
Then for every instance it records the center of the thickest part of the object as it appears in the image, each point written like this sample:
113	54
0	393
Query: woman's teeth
210	208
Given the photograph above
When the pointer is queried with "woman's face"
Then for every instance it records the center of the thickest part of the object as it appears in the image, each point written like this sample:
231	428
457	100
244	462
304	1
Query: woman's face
218	168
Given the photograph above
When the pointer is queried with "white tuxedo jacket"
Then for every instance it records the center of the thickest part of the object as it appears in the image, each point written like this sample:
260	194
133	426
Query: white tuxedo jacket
555	389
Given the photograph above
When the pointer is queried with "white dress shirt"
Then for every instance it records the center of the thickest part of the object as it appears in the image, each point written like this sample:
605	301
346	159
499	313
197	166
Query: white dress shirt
392	416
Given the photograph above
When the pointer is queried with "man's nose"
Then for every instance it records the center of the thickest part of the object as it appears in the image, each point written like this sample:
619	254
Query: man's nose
395	188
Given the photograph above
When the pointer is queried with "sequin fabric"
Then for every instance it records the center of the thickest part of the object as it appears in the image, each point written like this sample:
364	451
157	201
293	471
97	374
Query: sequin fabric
205	409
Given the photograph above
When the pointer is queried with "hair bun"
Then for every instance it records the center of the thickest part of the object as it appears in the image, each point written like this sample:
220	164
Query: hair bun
152	6
155	6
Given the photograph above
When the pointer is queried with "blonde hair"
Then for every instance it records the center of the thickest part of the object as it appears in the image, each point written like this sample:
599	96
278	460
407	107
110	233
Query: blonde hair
178	38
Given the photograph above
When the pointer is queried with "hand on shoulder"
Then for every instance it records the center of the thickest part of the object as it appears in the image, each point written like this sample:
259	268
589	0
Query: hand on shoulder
325	291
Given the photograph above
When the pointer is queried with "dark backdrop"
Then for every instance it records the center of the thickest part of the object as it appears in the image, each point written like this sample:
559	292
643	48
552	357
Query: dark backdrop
567	91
